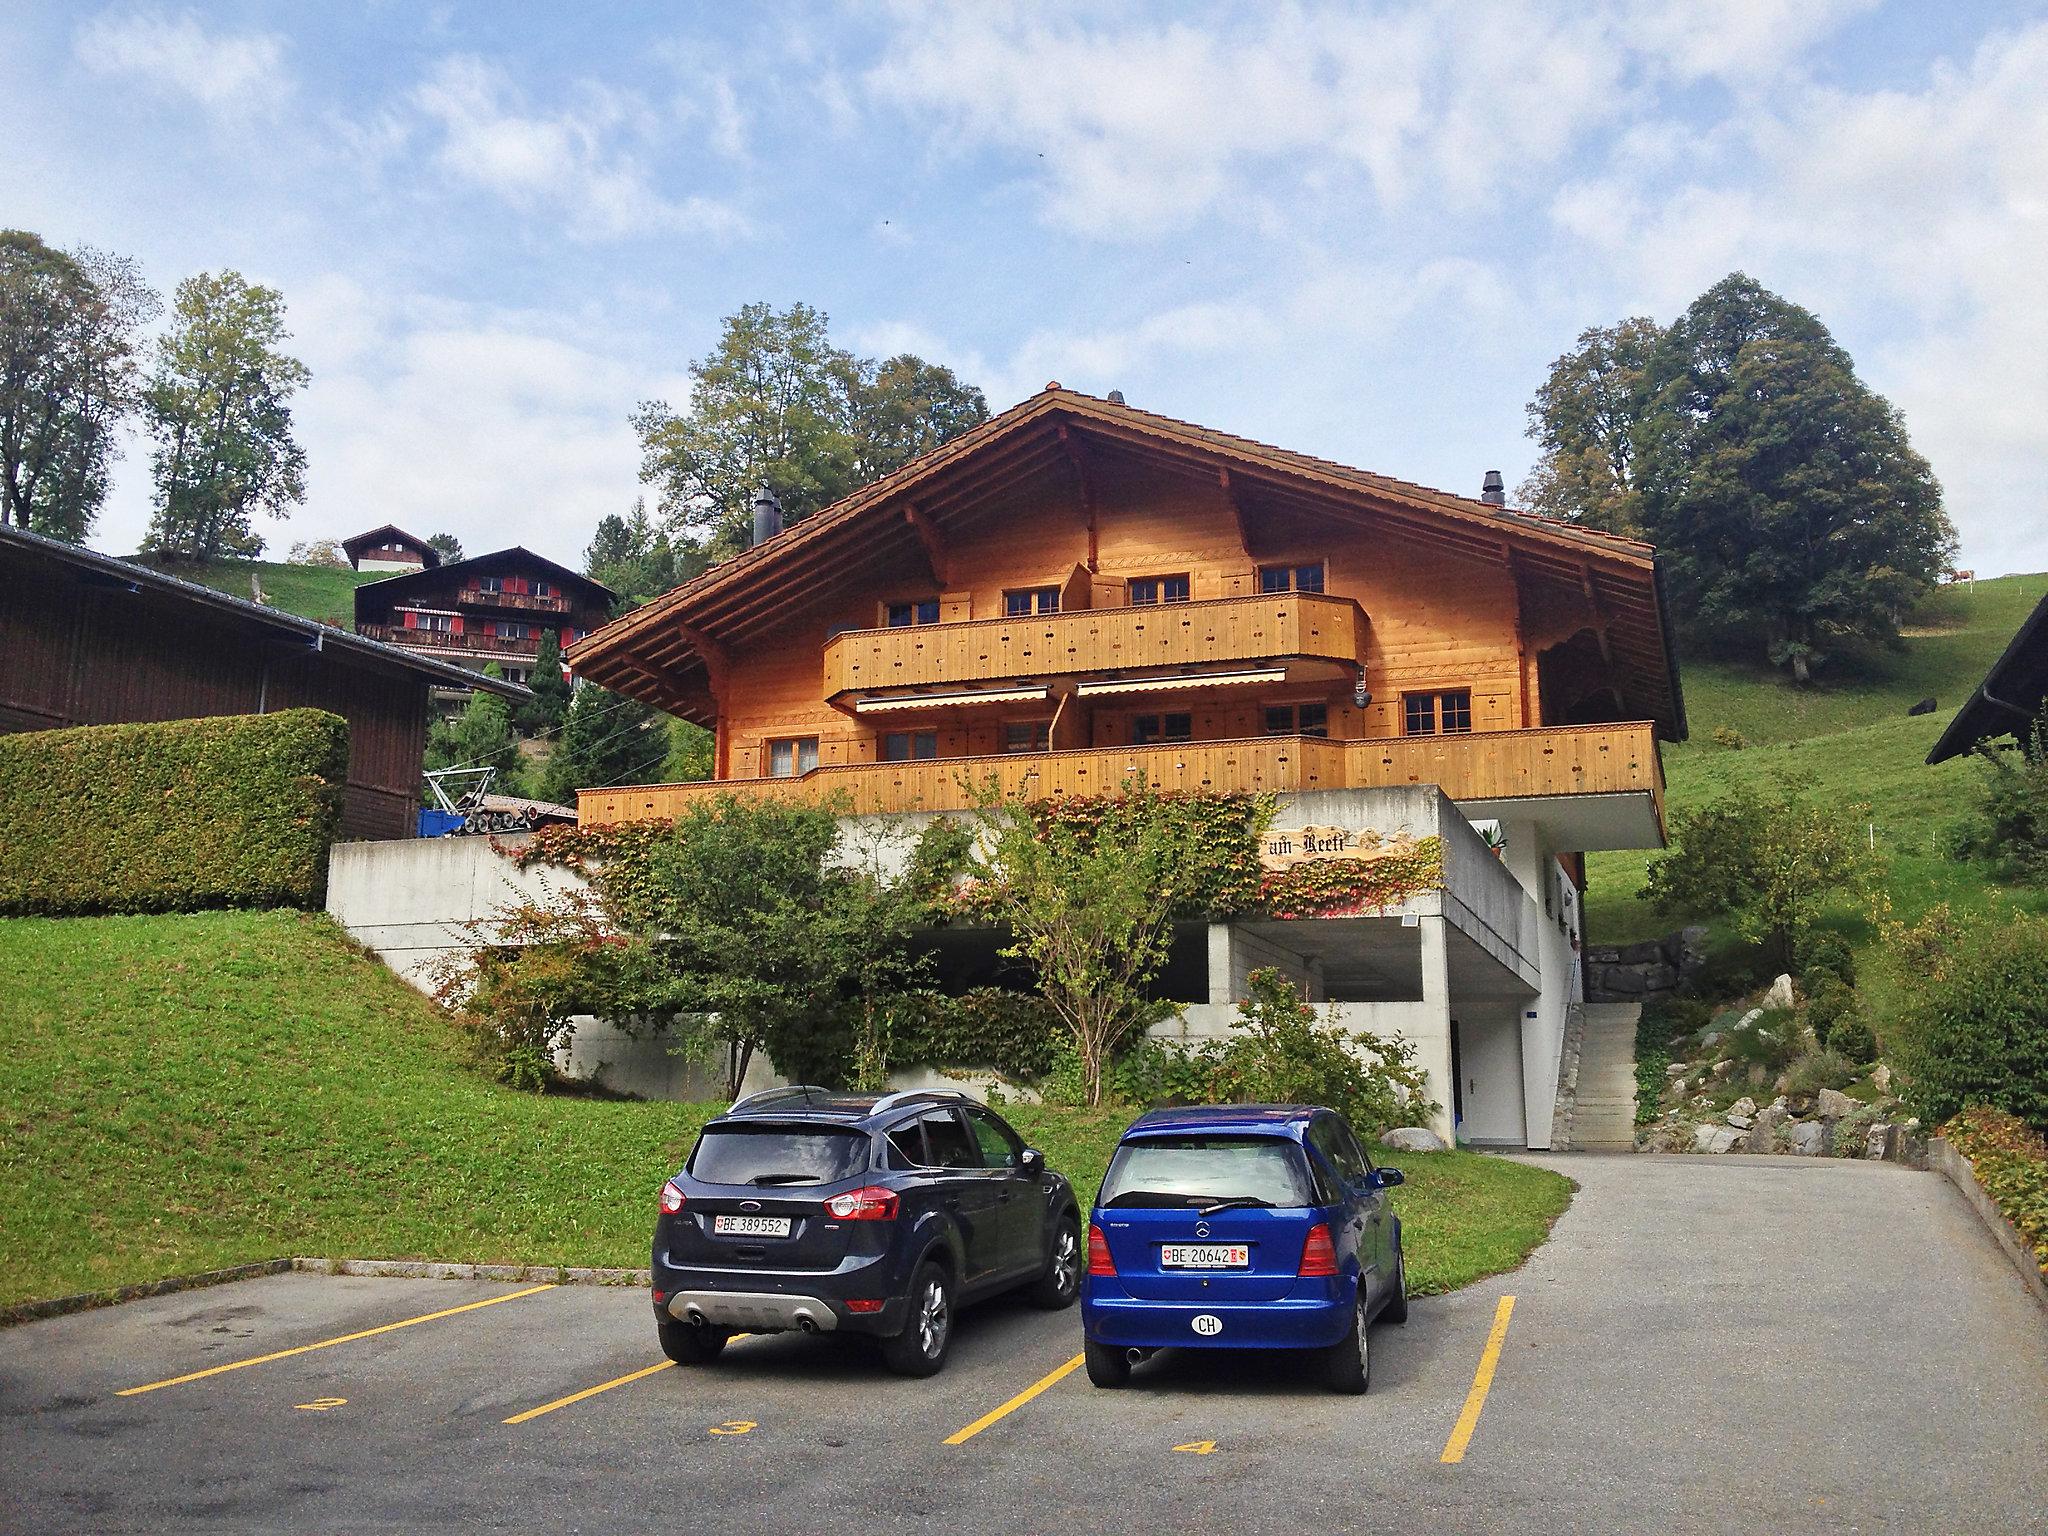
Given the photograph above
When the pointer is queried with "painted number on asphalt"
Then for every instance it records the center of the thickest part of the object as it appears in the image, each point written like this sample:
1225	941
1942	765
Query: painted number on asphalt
735	1427
322	1404
1198	1447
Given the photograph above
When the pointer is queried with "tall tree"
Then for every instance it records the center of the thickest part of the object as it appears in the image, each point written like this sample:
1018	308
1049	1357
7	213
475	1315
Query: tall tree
776	404
69	326
480	737
636	559
549	707
218	407
1585	417
607	739
448	546
1789	503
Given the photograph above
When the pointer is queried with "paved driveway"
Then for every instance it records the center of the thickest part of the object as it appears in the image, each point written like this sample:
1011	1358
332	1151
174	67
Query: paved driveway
1706	1344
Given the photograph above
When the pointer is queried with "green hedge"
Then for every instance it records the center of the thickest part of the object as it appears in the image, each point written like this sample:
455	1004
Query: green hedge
233	811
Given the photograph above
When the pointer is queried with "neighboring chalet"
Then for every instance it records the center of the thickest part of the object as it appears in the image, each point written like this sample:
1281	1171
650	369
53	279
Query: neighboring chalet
390	549
2009	700
92	640
491	608
1079	592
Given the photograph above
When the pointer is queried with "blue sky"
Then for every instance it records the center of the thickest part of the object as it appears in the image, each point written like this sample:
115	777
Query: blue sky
1359	231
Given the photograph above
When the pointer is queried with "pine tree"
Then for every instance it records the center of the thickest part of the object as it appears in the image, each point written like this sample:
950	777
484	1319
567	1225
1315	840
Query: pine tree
480	737
607	740
549	707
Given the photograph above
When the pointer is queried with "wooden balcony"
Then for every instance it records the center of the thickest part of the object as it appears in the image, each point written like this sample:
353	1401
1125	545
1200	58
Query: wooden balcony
1283	627
525	602
477	643
1484	766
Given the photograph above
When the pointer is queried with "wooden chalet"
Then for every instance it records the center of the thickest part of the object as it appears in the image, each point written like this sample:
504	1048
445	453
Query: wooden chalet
93	640
491	608
390	549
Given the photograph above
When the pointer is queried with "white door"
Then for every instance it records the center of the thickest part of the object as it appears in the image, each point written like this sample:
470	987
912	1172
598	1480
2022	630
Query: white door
1490	1077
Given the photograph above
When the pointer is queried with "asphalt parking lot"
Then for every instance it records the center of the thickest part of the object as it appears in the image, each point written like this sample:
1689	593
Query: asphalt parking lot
1705	1343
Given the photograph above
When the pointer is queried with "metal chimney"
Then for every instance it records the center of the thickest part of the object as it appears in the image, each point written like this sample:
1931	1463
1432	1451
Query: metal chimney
1495	491
1116	397
767	515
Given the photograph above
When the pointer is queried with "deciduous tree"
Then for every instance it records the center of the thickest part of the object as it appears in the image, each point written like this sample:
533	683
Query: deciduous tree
1585	416
69	326
480	737
607	739
218	405
448	545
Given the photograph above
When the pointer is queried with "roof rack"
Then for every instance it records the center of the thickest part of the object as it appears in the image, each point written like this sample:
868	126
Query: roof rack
803	1091
906	1095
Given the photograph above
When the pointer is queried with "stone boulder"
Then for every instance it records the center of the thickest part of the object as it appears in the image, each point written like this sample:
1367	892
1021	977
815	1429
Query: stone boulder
1834	1104
1810	1139
1743	1106
1780	993
1740	1122
1677	1069
1882	1142
1714	1138
1881	1079
1413	1138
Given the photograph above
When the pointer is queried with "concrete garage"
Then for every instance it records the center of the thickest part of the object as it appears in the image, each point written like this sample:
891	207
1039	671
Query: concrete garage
1861	1357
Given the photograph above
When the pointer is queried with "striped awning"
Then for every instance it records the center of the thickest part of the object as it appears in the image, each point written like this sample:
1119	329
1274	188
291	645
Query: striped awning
885	703
1183	681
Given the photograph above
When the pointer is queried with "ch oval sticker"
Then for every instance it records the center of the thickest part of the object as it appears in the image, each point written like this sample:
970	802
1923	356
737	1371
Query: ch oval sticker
1207	1324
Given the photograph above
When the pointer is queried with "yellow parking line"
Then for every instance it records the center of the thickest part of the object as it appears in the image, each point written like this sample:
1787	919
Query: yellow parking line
346	1338
967	1434
1482	1382
603	1386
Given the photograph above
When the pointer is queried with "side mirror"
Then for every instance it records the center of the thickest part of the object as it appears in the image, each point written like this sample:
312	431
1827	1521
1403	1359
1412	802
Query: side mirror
1386	1178
1033	1161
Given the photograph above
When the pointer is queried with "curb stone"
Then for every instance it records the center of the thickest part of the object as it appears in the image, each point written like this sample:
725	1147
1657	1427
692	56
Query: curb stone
389	1269
1947	1160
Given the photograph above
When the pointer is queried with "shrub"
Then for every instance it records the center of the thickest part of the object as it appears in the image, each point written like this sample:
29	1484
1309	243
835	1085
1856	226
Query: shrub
1770	1043
1851	1038
1016	1033
2010	825
2011	1162
174	816
1826	1001
1827	953
1976	1031
1817	1070
1730	738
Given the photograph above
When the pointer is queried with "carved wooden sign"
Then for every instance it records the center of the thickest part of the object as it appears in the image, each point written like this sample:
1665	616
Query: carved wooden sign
1284	847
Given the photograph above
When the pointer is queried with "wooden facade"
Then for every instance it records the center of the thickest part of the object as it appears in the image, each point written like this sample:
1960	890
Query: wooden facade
1078	585
90	640
390	548
492	608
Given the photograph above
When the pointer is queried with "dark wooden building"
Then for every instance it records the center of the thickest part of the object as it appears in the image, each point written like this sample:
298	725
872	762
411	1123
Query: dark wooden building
2009	700
392	549
87	639
492	608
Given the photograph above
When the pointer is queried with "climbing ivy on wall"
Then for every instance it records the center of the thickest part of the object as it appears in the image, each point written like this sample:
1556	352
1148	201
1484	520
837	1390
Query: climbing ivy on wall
1365	887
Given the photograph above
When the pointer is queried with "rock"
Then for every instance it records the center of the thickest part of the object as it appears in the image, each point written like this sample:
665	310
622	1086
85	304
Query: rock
1881	1142
1677	1040
1810	1139
1740	1122
1714	1138
1677	1069
1743	1106
1710	1039
1780	994
1799	1104
1749	1018
1834	1104
1692	949
1723	1068
1413	1138
1779	1103
1881	1079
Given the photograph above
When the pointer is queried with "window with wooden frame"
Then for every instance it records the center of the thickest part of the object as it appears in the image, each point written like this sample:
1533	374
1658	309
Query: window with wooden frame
791	756
910	746
1146	729
1027	735
510	631
542	589
1444	713
1023	602
924	610
491	584
1148	590
1291	578
1297	720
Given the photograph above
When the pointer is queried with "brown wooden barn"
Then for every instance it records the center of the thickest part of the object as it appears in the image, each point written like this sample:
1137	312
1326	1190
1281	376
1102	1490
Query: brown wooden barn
88	639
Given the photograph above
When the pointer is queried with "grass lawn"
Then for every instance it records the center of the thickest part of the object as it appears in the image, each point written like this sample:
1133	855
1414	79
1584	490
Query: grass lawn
311	591
182	1093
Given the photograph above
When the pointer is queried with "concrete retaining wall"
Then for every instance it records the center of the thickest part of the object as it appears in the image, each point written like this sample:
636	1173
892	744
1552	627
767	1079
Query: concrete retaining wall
1946	1160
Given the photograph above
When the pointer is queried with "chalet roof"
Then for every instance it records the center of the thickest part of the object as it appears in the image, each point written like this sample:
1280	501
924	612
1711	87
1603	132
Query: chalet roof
2010	695
643	652
388	534
518	558
114	572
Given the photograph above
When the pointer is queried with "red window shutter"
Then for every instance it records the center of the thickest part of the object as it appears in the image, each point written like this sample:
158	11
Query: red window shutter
490	628
455	625
412	621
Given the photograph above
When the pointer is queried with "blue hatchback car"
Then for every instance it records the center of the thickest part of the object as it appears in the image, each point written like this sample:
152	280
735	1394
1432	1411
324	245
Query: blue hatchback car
1248	1226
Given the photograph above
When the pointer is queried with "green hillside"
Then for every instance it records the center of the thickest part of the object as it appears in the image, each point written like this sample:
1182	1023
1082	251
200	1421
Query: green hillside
184	1093
311	591
1851	736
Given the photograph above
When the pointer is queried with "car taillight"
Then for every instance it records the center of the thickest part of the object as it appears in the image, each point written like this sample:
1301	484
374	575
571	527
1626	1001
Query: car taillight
1099	1261
864	1306
671	1198
871	1204
1318	1254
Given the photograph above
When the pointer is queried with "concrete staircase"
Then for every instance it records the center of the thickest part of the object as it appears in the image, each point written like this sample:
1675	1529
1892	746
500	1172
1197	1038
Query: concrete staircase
1604	1113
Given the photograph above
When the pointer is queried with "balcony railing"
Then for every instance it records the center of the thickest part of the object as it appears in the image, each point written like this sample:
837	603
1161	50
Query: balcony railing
1481	765
1284	626
437	640
474	597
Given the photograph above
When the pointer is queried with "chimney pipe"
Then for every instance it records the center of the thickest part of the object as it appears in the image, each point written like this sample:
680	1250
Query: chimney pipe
1495	492
767	515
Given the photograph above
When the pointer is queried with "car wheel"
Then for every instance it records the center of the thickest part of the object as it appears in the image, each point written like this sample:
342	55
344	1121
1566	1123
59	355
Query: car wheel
920	1349
690	1343
1396	1309
1061	1282
1108	1366
1347	1367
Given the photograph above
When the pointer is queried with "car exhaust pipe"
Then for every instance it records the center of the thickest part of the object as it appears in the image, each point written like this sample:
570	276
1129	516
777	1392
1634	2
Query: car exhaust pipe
697	1317
1137	1356
808	1324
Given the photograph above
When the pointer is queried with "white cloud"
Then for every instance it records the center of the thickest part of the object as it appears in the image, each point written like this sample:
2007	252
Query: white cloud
231	75
569	159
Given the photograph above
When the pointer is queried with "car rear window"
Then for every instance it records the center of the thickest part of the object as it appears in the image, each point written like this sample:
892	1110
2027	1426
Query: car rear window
772	1155
1170	1171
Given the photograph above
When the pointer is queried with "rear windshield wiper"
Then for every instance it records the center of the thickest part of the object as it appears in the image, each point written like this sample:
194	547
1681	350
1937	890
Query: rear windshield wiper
1237	1203
785	1178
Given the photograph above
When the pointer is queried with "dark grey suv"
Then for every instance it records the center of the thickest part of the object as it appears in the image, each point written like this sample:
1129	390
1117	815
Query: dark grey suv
802	1209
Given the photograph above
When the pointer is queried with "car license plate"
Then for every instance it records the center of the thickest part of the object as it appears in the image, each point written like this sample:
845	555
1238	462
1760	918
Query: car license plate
751	1226
1205	1256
